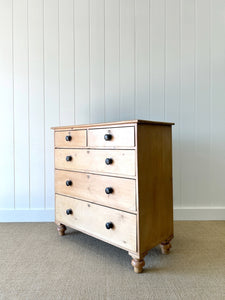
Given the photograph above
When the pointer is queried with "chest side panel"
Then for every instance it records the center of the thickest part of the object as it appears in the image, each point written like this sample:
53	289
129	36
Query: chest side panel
155	191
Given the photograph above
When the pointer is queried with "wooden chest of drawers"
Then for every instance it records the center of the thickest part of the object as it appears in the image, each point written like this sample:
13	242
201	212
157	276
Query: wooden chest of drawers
113	181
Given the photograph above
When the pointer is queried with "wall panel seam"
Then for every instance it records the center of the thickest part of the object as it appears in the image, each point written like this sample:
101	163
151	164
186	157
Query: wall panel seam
44	104
180	97
28	99
13	115
165	61
59	61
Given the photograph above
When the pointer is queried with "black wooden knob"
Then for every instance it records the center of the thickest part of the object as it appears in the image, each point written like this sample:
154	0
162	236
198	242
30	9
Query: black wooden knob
68	138
109	225
69	158
69	211
108	190
108	137
69	182
108	161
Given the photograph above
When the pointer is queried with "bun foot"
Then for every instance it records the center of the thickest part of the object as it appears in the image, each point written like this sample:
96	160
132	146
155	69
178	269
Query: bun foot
138	264
138	261
61	229
165	246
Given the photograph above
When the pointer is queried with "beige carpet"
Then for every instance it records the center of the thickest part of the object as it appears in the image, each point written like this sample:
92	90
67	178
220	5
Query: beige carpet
35	263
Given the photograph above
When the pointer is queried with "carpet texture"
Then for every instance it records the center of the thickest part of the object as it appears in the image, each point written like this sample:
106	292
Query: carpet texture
35	263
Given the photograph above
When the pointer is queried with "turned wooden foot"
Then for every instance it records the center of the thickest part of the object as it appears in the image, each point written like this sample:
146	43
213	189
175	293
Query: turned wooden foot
61	229
165	246
138	264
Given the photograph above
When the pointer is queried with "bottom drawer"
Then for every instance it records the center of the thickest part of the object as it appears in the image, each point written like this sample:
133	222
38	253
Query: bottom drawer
93	219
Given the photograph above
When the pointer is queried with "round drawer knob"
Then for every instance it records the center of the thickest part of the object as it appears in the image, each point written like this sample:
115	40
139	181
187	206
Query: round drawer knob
69	158
108	161
108	190
68	138
69	211
69	182
109	225
108	137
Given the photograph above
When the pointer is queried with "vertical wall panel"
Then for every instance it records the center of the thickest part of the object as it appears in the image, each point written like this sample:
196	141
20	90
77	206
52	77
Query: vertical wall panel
66	62
112	60
142	54
6	107
36	100
21	104
82	60
127	59
172	86
51	88
97	59
187	113
202	131
217	102
157	59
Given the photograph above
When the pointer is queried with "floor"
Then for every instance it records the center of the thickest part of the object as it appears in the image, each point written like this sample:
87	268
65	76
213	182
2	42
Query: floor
35	263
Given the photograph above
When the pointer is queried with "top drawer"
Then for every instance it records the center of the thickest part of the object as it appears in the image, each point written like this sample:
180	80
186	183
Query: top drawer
111	137
70	139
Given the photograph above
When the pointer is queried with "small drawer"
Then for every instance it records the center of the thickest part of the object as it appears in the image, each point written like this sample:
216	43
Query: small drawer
106	190
70	139
111	137
118	162
108	224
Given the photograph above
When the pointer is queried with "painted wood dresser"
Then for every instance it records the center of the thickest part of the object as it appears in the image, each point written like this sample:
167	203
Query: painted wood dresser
113	181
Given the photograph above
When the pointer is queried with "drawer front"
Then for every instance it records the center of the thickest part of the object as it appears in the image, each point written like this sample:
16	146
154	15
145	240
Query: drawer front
70	139
109	191
111	137
92	218
120	162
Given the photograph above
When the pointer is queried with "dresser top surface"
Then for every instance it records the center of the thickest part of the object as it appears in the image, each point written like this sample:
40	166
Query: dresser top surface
117	123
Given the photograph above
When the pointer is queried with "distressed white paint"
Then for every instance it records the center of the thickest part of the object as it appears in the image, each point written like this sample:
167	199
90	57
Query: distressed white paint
81	61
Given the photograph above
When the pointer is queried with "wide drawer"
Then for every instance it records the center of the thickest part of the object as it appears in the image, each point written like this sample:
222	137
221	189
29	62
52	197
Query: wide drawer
70	139
110	191
111	137
93	219
119	162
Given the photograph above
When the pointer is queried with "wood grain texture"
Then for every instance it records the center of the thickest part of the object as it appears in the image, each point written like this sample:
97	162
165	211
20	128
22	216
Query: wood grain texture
94	160
112	124
121	137
155	185
77	139
92	187
84	218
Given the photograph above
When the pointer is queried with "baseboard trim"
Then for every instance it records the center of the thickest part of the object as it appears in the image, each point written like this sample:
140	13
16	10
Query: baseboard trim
27	215
48	215
199	213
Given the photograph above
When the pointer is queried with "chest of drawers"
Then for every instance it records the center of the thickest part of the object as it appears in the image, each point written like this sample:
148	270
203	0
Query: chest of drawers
113	181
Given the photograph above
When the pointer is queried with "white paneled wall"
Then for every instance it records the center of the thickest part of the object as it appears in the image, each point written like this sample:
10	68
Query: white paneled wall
80	61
